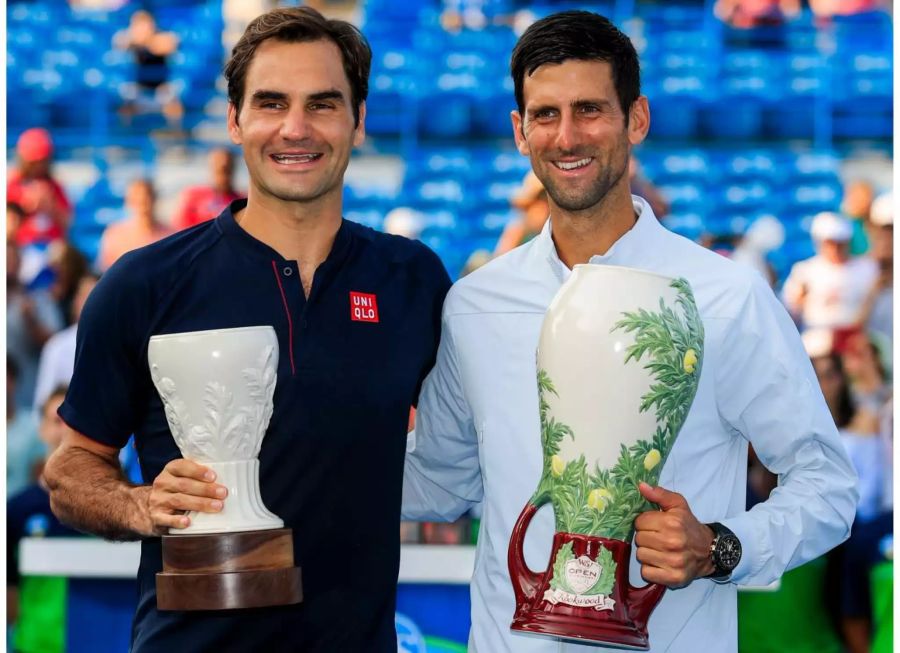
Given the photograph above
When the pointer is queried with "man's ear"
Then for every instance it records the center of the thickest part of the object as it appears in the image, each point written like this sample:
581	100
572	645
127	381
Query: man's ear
519	133
234	129
359	135
638	120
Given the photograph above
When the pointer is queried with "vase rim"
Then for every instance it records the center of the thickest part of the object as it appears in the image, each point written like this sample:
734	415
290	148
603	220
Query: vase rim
603	266
206	332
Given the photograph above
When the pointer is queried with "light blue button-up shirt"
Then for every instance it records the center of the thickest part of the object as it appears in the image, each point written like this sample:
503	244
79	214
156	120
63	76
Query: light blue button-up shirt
477	435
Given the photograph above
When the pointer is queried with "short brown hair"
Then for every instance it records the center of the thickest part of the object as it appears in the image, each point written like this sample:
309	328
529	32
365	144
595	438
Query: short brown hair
300	25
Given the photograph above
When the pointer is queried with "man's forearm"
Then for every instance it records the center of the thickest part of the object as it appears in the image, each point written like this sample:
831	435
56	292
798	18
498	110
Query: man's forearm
89	492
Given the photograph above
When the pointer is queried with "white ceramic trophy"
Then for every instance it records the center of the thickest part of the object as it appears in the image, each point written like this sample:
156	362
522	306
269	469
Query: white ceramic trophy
619	361
217	388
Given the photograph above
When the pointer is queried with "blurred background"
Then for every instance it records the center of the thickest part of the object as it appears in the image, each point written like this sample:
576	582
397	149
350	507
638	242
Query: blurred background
771	143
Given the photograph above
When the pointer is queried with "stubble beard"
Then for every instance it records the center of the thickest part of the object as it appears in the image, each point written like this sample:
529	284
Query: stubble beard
577	199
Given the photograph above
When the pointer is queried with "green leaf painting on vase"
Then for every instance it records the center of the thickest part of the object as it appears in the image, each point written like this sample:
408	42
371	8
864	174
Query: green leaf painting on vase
605	502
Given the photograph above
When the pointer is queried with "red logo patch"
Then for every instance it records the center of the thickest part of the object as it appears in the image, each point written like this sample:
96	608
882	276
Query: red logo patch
363	307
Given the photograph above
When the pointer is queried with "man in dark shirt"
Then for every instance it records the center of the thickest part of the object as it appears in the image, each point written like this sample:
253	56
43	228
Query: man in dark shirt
331	461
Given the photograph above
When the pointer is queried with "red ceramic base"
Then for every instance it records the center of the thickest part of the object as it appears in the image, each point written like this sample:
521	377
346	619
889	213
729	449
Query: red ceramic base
620	620
580	629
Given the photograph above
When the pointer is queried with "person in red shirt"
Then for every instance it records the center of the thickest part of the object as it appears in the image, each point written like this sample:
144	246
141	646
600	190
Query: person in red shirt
202	203
46	209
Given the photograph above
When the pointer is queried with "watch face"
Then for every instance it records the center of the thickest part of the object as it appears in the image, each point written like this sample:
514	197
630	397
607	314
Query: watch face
728	552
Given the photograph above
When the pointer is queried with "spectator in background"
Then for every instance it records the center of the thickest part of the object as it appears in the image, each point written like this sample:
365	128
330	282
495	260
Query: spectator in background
748	14
58	356
46	210
866	372
531	201
36	605
23	449
829	289
826	9
151	89
139	229
859	430
857	204
31	318
764	235
15	214
878	310
67	265
202	203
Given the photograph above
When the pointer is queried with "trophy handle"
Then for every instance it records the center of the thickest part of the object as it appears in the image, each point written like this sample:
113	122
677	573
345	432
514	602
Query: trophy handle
525	582
641	602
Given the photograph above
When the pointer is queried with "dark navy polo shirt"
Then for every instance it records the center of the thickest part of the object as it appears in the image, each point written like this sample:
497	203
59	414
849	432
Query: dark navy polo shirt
331	462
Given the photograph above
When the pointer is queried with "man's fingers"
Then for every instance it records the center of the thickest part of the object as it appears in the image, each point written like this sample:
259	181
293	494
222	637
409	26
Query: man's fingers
163	520
194	488
665	499
190	469
187	503
661	576
659	540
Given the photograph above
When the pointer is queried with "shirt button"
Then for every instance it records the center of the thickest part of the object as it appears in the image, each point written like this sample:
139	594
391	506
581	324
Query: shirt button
288	270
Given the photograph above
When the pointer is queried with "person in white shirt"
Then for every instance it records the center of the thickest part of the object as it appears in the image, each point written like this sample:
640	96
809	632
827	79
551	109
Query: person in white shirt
829	290
477	437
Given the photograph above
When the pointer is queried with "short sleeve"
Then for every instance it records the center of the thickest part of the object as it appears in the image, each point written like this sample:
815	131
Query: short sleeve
110	376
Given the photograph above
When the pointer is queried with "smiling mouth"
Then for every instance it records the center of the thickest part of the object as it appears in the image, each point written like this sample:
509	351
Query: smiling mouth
288	159
573	165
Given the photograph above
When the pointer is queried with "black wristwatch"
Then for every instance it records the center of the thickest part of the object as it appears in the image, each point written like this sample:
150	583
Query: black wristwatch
725	552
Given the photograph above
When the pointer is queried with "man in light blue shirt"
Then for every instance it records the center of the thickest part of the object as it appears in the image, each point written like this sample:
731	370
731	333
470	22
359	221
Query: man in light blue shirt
579	115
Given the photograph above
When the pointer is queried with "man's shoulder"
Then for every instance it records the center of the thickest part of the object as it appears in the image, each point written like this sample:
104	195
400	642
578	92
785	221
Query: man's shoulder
162	263
507	282
397	249
720	285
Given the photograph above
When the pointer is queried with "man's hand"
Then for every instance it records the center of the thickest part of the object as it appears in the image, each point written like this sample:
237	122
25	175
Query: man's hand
183	486
672	546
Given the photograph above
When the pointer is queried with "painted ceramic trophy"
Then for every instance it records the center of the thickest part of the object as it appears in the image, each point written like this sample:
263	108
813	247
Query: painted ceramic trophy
217	388
618	362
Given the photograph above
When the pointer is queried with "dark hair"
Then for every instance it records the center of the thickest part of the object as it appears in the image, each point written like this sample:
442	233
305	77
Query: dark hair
578	35
301	25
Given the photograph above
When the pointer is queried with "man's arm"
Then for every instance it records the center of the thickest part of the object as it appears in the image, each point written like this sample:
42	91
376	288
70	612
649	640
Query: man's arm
89	491
442	477
768	392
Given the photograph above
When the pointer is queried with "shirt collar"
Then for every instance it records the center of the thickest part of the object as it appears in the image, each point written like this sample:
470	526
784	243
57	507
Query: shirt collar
232	230
628	250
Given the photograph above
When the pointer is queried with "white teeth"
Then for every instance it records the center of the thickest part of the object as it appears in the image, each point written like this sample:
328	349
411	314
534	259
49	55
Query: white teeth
294	158
571	165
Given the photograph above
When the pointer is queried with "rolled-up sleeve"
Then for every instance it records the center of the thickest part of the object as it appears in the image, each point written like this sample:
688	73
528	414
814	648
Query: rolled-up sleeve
442	477
767	390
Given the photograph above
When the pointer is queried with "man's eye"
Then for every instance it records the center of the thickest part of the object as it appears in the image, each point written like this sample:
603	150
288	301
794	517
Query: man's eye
320	106
544	114
271	105
590	108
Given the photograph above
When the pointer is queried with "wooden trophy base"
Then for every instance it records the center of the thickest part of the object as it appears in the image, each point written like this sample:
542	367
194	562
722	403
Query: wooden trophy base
227	571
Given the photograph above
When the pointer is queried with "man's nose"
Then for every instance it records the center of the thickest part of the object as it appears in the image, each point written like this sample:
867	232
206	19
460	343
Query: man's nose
567	132
296	125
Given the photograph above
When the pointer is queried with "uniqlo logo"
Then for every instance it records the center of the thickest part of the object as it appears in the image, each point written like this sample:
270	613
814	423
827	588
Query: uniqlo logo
363	307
